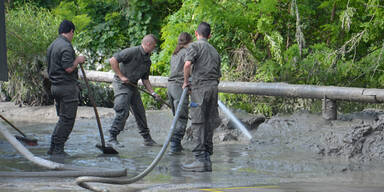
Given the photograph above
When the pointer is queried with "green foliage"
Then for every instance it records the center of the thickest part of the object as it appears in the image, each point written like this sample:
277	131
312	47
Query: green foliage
38	3
338	42
300	42
100	29
102	94
30	30
150	103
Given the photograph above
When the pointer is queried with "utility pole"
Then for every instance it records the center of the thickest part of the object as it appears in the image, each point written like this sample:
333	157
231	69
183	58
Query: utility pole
3	47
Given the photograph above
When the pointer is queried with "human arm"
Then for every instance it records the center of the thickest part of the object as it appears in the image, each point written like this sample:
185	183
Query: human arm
115	67
67	62
148	86
187	71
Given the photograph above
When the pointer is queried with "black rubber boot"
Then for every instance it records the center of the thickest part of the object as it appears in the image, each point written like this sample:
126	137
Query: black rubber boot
113	140
58	150
57	147
148	141
49	152
202	163
175	148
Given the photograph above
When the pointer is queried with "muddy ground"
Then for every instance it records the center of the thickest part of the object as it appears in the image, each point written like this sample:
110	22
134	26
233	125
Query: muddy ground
291	152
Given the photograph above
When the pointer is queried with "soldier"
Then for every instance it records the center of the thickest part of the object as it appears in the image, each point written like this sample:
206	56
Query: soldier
175	83
130	65
204	96
62	72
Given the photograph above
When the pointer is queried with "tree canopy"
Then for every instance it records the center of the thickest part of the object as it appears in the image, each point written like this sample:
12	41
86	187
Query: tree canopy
318	42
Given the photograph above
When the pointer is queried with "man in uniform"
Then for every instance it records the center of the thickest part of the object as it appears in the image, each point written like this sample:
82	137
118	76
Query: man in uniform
62	72
130	65
204	95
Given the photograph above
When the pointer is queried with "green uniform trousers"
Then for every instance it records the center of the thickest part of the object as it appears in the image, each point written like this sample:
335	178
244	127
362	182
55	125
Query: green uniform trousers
122	103
174	93
66	102
204	115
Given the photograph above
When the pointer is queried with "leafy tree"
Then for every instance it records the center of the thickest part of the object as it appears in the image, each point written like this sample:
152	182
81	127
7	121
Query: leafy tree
30	30
319	42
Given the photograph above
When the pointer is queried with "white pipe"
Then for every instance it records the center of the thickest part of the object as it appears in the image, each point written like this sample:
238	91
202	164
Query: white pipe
66	170
27	154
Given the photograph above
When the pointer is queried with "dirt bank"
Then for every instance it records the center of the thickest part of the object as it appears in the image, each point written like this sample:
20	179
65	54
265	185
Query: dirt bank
354	137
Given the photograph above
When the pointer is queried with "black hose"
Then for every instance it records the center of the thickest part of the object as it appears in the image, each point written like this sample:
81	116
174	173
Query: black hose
81	181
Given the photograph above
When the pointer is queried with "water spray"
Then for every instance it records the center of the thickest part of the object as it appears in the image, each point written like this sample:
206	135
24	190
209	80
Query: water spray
235	120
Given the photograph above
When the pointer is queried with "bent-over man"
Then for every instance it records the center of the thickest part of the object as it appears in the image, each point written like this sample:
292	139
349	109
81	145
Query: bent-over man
130	65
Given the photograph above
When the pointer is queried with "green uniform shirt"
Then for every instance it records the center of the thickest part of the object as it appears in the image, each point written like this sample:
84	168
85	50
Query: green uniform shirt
206	62
135	64
60	56
177	67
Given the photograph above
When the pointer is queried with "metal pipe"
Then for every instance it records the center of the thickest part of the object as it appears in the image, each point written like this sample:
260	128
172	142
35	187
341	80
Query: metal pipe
368	95
274	89
304	91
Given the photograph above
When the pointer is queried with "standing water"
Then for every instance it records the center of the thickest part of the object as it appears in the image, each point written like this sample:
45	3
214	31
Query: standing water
273	161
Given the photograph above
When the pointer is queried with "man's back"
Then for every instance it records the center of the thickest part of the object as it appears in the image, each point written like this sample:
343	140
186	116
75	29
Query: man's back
60	55
206	61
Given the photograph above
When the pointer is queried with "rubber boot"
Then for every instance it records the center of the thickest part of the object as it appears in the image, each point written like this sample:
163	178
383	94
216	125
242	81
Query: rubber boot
49	152
175	148
202	163
148	141
113	140
58	149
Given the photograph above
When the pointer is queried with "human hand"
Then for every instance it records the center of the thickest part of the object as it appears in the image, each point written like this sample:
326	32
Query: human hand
156	96
124	79
186	84
80	59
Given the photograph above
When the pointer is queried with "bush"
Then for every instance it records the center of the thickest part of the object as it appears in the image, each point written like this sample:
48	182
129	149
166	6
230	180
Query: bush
30	30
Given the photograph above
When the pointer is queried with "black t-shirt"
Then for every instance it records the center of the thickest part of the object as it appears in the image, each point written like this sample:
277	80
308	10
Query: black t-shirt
60	56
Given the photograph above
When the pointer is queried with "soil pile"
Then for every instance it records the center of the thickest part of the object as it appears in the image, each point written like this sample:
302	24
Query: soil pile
364	142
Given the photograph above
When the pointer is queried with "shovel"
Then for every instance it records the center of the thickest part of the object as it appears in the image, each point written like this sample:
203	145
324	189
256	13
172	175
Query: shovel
145	91
23	138
102	147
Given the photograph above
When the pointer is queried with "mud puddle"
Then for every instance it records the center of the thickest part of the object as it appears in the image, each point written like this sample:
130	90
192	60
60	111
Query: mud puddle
286	150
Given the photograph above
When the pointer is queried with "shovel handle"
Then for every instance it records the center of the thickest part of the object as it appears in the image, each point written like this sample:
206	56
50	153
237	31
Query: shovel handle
13	126
94	106
145	91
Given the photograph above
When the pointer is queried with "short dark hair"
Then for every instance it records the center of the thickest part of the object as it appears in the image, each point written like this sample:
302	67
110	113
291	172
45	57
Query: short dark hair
66	27
204	29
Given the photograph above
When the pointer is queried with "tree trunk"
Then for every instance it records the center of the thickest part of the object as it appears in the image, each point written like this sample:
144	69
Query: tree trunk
332	19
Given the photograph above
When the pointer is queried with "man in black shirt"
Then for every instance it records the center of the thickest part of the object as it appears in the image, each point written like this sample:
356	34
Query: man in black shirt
62	72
